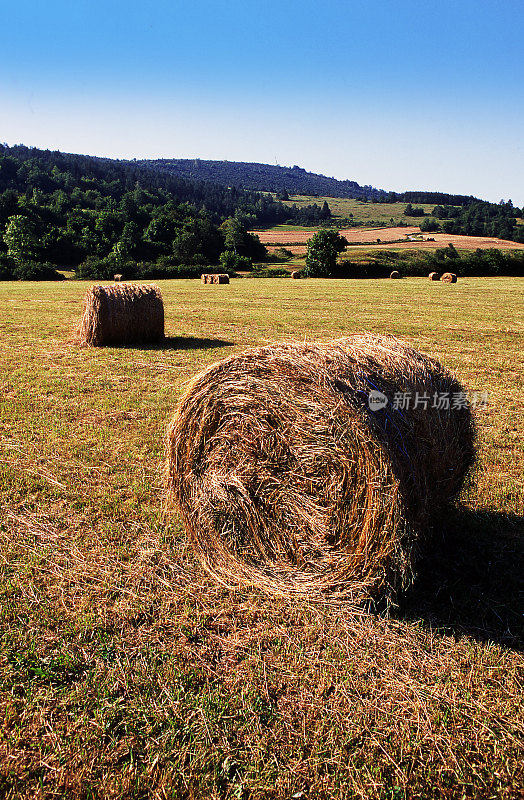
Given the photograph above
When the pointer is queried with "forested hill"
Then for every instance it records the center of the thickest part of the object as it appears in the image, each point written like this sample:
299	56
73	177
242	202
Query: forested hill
26	168
264	178
290	180
99	216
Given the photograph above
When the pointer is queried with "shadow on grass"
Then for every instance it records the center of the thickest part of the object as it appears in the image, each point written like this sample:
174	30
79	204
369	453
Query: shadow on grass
183	343
470	582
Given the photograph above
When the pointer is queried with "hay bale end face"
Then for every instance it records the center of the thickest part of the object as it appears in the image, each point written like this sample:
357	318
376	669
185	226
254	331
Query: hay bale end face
395	274
287	480
434	276
449	277
122	314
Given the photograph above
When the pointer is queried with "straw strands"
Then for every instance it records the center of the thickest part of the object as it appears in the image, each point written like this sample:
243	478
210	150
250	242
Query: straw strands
122	314
288	481
449	277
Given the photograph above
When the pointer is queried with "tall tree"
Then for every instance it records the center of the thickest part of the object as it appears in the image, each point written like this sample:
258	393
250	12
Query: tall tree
322	251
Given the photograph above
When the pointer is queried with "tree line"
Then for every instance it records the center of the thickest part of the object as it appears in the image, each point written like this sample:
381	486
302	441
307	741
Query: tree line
476	219
99	216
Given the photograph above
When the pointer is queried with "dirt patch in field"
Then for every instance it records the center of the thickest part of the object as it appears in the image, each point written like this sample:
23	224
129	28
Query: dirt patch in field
460	242
296	249
280	238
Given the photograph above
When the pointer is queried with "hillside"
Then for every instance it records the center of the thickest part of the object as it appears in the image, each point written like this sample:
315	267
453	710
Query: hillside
293	180
264	177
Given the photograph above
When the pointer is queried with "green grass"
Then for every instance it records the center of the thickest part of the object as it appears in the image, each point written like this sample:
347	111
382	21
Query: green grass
370	214
126	673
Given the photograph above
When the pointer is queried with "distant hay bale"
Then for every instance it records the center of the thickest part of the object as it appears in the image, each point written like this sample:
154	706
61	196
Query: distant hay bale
296	274
122	314
221	277
395	274
434	276
287	480
449	277
117	278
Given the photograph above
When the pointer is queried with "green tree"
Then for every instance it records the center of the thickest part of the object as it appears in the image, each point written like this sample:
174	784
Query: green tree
322	251
21	238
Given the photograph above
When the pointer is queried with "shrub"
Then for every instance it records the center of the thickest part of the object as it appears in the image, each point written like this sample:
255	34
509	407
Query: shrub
266	272
35	271
7	265
229	260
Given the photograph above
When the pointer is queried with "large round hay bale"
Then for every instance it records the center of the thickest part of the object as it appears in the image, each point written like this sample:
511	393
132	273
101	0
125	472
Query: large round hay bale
395	274
296	274
434	276
449	277
222	278
287	480
125	313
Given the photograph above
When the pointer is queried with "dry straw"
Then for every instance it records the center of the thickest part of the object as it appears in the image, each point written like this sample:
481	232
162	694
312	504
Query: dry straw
395	274
221	277
449	277
122	314
434	276
288	481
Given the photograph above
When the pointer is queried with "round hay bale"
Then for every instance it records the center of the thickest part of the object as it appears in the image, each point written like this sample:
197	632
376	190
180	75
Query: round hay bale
449	277
222	278
122	314
296	274
287	480
395	274
434	276
118	278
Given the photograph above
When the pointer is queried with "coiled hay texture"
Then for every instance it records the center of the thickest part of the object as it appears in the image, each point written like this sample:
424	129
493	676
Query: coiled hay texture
122	314
449	277
286	480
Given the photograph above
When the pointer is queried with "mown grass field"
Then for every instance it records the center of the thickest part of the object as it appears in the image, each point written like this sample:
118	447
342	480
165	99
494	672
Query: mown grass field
126	673
364	241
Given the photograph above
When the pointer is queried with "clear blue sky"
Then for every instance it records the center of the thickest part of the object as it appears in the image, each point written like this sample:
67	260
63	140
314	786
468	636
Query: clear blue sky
395	93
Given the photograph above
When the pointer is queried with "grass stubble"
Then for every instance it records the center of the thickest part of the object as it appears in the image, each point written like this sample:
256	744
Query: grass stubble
125	672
